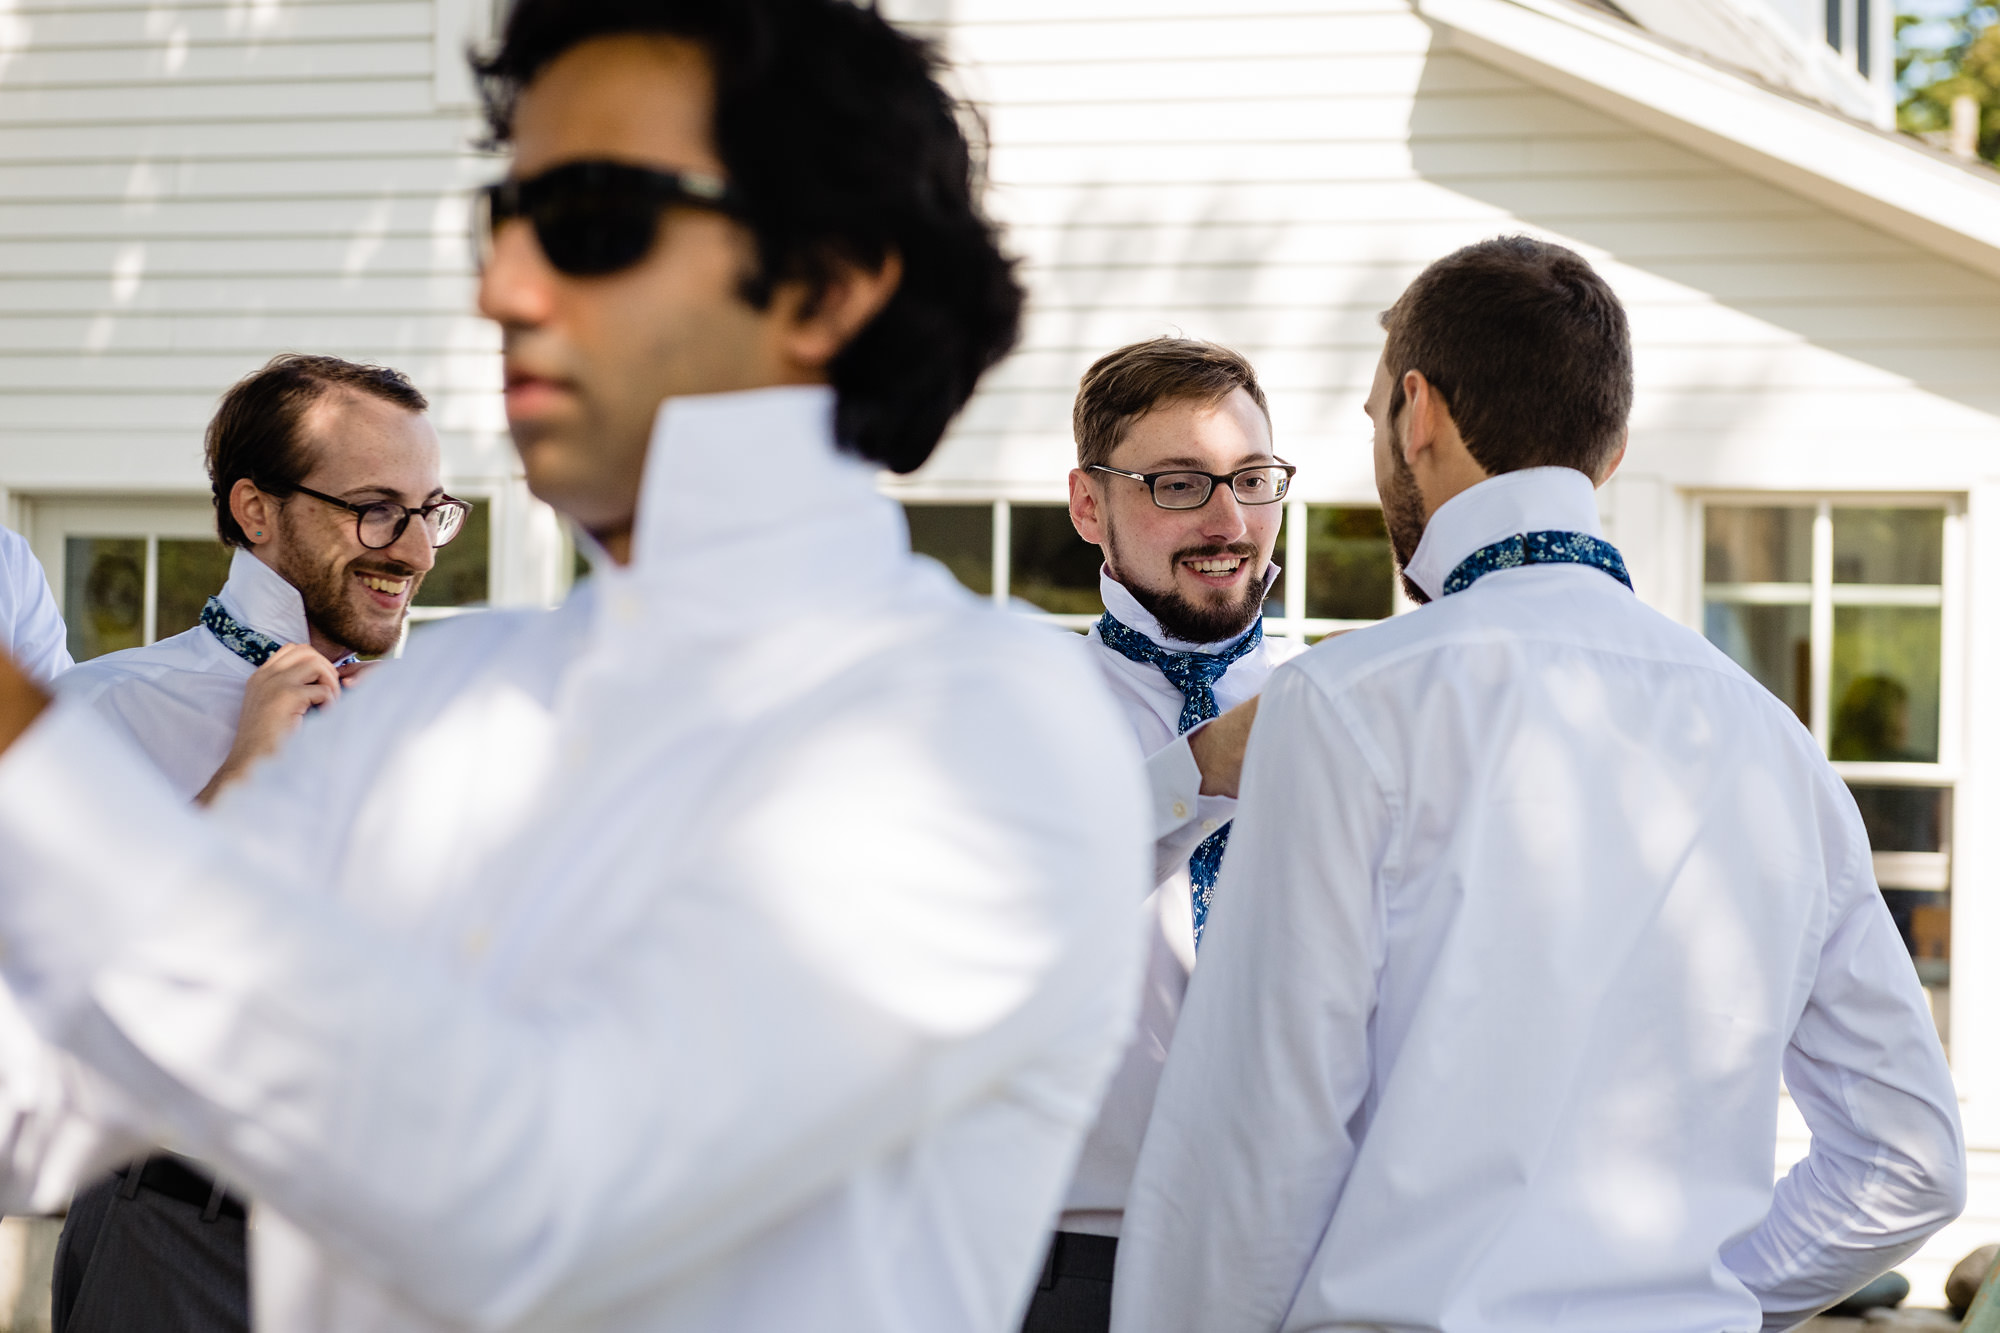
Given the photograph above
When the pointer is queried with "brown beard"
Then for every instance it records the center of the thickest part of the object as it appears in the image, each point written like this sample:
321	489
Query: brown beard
1403	515
323	590
1191	622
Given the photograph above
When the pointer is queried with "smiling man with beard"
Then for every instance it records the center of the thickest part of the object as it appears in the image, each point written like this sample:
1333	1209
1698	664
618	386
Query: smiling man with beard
326	486
1176	482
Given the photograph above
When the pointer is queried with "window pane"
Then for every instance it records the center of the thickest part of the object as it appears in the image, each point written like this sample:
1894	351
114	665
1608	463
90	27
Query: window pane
1350	572
1909	829
1052	567
1885	683
1904	819
1888	546
959	537
461	576
104	594
191	572
1772	643
1764	544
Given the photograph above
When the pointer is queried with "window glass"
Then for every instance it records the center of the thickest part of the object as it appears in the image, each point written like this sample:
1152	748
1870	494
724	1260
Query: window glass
191	572
1052	567
1886	663
1909	829
1772	643
959	537
1902	546
1350	571
104	594
463	573
1761	544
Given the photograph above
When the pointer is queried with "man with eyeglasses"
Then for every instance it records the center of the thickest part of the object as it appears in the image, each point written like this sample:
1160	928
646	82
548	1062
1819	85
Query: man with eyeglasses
743	946
1176	482
326	486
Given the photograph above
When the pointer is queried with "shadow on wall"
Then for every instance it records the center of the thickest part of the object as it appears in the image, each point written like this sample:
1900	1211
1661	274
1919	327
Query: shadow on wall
1713	233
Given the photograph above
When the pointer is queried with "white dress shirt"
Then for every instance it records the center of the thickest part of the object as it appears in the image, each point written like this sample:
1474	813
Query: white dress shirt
31	629
1533	899
743	946
1182	818
180	699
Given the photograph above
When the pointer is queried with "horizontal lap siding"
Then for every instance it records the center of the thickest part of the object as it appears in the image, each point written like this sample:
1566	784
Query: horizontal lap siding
186	189
1273	175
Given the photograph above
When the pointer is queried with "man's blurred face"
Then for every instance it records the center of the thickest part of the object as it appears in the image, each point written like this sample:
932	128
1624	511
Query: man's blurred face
364	450
1199	571
589	360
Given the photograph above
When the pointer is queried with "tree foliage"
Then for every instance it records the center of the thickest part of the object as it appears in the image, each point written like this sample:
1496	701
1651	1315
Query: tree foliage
1943	55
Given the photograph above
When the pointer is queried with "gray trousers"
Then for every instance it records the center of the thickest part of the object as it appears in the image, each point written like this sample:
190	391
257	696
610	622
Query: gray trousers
140	1262
1074	1295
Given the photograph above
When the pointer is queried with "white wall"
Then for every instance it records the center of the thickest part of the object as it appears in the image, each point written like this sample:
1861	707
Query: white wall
186	189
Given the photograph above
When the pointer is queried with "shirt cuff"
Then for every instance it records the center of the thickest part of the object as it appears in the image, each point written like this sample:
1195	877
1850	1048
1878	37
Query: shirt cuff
1182	816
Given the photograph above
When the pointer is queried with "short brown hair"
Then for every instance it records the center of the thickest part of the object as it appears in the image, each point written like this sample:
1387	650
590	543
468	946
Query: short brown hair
255	432
1527	346
1126	384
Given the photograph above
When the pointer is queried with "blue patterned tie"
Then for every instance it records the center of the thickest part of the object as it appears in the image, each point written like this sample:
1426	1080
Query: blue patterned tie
1538	548
251	645
1194	675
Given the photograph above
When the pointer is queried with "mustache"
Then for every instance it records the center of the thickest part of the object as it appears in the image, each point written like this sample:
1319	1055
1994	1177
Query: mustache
1246	550
393	569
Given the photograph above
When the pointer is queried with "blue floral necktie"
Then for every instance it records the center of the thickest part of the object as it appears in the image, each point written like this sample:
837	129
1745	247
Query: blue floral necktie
1538	548
251	645
1194	675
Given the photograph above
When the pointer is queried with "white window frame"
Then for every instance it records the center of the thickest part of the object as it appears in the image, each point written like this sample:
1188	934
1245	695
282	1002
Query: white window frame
49	521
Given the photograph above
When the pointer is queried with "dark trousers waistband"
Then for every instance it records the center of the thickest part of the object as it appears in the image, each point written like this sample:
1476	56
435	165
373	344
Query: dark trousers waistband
174	1178
1073	1254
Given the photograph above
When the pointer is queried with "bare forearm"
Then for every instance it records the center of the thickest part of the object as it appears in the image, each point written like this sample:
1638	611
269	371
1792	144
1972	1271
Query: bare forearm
21	702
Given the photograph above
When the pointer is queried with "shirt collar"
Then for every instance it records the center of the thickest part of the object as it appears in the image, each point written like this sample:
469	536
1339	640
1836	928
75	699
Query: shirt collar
752	483
1125	609
259	596
1535	499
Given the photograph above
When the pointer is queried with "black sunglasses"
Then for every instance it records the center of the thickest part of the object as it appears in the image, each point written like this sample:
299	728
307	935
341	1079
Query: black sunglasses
593	218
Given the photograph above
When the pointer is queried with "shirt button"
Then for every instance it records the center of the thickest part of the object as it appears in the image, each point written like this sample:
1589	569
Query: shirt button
477	943
1209	826
1180	809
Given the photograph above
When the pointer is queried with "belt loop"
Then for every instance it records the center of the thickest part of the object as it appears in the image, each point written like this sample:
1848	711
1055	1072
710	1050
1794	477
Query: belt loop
1049	1264
215	1197
130	1189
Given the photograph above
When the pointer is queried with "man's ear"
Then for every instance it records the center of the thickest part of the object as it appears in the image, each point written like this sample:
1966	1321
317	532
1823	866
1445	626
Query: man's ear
255	512
1419	424
1085	515
815	327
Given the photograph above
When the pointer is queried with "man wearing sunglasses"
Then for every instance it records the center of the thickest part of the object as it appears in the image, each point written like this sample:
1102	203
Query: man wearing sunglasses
326	487
1176	482
745	945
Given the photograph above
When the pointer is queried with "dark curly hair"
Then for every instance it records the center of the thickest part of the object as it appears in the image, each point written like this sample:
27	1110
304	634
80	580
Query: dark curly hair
834	127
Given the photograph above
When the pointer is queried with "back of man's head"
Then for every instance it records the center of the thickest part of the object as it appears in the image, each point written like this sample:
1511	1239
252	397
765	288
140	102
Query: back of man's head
1527	346
258	431
1122	386
845	148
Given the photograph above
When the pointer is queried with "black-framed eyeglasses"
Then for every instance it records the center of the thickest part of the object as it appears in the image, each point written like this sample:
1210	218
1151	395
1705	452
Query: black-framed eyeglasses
380	524
593	218
1181	489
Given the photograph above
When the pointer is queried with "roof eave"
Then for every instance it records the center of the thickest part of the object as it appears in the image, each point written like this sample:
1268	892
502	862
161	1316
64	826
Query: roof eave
1883	179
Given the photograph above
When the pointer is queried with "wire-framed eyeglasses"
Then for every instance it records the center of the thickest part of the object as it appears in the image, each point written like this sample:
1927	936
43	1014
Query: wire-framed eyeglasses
1181	489
380	524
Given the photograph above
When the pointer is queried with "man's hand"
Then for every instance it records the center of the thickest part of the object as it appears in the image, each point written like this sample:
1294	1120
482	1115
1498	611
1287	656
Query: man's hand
1218	749
280	693
21	702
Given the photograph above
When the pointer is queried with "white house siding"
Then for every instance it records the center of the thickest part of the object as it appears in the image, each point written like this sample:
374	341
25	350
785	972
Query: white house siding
186	189
1271	176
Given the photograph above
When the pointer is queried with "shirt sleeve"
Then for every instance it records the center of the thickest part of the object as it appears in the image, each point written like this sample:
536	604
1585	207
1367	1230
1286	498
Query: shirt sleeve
864	935
1887	1164
34	634
1248	1148
1182	816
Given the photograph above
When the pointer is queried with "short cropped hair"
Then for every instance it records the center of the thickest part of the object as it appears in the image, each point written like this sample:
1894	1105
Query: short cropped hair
1529	349
1124	385
834	127
257	432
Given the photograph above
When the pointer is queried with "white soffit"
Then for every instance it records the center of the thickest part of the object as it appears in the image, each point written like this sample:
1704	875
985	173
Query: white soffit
1874	176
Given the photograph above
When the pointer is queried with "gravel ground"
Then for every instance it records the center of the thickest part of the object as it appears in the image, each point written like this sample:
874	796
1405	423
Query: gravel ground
1886	1321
